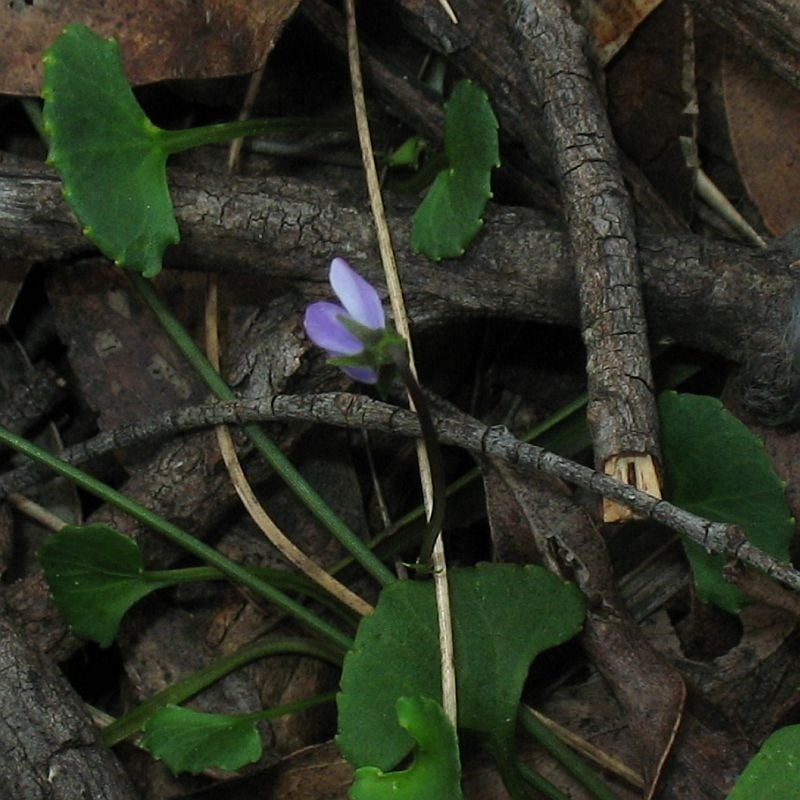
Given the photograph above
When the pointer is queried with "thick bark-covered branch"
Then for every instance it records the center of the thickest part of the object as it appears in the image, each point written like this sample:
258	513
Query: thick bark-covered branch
600	228
50	751
714	296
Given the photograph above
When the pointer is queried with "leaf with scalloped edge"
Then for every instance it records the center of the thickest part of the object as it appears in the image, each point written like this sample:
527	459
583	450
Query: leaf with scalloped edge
95	576
717	468
436	770
449	217
111	158
504	615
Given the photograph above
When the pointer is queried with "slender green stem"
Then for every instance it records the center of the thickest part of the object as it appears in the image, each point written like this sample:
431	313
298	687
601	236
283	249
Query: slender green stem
291	708
540	783
568	758
265	446
189	686
279	578
176	141
424	176
33	110
229	568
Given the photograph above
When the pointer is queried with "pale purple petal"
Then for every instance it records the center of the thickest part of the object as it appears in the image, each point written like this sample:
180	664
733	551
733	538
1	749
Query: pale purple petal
324	327
361	374
358	295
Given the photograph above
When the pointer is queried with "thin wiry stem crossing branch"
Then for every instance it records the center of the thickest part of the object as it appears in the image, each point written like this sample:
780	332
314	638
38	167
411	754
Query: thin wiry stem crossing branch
360	412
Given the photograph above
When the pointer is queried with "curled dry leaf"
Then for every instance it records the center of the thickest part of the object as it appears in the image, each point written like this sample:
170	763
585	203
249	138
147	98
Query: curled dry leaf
653	103
207	39
763	114
125	365
613	22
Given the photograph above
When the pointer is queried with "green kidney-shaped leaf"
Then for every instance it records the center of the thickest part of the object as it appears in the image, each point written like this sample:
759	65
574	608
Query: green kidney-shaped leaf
774	772
717	468
504	615
95	576
192	741
111	158
450	215
436	771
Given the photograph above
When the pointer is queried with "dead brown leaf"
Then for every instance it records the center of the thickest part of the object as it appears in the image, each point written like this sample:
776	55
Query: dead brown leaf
763	115
652	102
159	41
650	690
613	22
125	365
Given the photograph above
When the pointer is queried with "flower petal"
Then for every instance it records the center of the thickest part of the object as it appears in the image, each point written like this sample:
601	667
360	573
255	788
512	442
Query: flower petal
358	295
324	327
361	374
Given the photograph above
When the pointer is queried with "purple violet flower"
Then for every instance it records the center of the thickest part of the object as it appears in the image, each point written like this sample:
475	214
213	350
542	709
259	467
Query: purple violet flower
337	328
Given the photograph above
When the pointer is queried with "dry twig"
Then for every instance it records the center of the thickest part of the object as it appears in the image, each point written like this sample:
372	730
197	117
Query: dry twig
359	412
449	700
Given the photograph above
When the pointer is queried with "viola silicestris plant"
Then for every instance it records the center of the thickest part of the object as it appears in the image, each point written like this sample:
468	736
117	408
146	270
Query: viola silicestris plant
358	341
355	333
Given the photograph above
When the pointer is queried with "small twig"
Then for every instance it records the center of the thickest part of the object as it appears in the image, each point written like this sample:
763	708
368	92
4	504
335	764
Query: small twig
34	511
759	587
708	191
357	411
248	497
438	560
448	9
590	751
253	85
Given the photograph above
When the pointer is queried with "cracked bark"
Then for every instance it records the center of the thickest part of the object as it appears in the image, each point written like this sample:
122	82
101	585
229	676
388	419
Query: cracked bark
622	415
287	230
50	751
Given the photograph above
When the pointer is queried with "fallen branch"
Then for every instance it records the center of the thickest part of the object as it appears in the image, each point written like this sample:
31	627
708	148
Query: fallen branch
357	411
621	412
287	230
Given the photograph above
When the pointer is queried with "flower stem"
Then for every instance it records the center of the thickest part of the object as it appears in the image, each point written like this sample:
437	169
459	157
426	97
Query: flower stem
229	568
175	141
187	687
290	708
431	441
273	455
282	579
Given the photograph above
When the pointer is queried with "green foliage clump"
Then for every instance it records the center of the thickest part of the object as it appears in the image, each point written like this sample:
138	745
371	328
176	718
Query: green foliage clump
449	217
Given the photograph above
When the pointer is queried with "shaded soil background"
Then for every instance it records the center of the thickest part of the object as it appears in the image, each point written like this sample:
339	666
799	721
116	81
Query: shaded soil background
697	93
